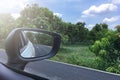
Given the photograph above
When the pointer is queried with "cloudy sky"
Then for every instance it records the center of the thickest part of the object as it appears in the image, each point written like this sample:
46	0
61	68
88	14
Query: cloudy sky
89	11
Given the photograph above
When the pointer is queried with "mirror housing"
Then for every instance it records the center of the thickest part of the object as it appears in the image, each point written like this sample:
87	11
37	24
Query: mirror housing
13	42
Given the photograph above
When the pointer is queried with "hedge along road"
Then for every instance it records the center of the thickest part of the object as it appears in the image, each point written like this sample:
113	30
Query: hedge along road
62	71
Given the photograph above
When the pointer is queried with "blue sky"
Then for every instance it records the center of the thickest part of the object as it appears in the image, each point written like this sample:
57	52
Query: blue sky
89	11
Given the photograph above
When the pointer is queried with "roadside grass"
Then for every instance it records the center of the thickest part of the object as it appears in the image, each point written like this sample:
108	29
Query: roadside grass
76	54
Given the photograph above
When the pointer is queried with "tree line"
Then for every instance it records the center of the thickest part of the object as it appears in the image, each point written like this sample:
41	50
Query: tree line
33	16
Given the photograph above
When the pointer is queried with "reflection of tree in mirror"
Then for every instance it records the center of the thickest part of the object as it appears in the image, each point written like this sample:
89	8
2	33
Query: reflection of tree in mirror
40	38
44	39
31	36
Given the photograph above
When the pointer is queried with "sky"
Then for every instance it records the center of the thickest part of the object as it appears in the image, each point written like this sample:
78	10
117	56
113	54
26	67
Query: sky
88	11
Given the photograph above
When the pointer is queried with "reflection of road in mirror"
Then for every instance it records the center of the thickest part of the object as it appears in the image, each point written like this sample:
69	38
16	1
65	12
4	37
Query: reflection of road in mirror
41	50
34	50
28	50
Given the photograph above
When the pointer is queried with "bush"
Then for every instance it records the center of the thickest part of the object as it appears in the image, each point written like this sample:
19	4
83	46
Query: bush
107	51
65	39
114	69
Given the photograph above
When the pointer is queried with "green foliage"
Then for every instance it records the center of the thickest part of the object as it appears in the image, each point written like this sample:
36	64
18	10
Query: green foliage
76	54
6	25
118	28
74	59
39	38
38	17
98	31
100	63
114	69
107	51
35	16
65	39
44	39
76	32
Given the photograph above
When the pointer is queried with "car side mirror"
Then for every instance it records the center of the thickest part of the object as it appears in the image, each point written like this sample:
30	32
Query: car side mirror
25	45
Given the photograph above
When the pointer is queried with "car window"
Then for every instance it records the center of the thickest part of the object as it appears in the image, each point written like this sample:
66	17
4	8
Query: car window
90	29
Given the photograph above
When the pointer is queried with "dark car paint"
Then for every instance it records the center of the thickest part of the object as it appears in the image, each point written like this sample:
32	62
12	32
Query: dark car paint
7	73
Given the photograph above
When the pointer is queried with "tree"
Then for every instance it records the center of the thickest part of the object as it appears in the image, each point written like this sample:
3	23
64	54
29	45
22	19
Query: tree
7	23
118	28
82	32
35	16
98	31
76	32
39	17
108	52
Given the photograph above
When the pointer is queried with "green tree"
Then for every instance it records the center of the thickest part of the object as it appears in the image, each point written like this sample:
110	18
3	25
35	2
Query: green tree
118	28
98	31
39	17
35	16
76	32
7	23
108	52
82	32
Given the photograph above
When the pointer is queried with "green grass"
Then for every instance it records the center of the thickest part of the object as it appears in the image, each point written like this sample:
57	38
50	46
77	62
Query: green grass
76	54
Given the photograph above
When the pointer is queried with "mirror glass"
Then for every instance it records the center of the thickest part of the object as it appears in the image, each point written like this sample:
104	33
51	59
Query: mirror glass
35	44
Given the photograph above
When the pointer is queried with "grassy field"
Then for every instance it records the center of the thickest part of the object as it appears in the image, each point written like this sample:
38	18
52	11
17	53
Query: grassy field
76	54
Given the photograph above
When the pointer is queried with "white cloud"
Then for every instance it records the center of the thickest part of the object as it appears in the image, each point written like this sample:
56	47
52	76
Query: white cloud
99	9
15	15
58	14
116	1
112	19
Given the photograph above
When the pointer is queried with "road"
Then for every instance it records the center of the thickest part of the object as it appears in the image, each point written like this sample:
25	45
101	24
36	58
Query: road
62	71
42	50
35	50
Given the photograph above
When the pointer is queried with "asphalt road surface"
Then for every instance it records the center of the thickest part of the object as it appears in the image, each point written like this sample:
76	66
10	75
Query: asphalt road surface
62	71
35	51
42	50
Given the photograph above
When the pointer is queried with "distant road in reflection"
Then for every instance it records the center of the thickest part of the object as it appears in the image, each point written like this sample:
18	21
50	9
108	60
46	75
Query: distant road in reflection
41	50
